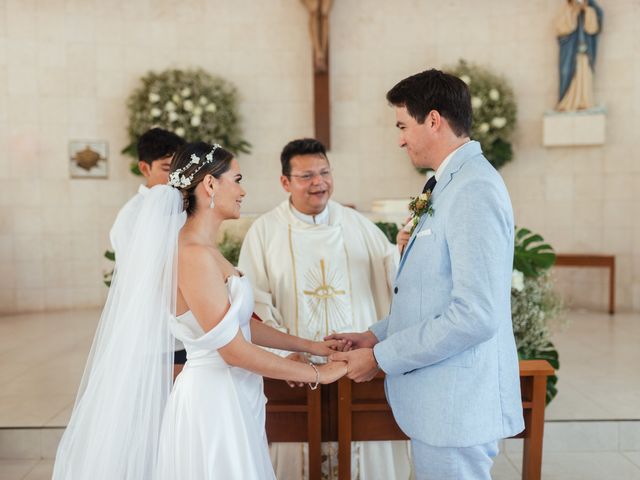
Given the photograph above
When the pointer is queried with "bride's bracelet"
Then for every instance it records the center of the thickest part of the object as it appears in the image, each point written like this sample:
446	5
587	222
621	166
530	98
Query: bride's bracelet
315	385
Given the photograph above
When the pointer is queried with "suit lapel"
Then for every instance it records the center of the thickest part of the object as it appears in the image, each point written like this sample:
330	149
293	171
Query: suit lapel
405	253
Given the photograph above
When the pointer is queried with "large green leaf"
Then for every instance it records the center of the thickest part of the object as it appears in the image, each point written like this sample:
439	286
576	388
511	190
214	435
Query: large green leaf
531	255
549	353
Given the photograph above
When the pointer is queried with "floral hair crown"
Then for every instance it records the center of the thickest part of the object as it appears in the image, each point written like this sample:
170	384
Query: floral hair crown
178	180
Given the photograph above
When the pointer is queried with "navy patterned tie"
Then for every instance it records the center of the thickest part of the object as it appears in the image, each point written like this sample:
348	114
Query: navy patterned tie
430	185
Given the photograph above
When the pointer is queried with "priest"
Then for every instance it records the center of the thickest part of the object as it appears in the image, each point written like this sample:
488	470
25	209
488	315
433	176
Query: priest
317	268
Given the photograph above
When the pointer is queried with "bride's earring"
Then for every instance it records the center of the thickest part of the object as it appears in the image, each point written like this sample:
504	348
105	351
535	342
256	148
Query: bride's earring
212	203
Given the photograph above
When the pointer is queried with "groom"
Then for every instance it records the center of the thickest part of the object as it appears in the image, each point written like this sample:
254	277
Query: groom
447	345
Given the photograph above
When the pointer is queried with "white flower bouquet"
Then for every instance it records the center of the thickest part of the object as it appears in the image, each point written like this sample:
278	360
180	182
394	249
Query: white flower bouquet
494	111
191	103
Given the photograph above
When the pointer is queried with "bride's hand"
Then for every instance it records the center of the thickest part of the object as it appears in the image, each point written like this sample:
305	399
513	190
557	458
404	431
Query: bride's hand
296	357
327	347
332	371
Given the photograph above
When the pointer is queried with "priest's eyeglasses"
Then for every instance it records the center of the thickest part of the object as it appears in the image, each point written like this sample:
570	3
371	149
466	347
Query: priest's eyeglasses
306	177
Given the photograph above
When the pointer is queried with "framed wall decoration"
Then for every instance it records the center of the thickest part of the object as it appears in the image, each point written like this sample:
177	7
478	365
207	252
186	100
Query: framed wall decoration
88	158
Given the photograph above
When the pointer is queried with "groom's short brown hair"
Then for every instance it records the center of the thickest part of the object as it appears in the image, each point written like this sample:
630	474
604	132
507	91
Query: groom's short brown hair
435	90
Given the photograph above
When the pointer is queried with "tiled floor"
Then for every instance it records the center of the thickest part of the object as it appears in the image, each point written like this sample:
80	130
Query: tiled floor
42	358
599	376
41	361
557	466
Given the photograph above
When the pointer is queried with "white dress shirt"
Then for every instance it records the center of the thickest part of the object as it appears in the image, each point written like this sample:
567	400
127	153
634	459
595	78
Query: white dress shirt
321	219
122	229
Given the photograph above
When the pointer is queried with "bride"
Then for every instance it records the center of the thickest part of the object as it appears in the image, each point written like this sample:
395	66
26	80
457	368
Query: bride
173	282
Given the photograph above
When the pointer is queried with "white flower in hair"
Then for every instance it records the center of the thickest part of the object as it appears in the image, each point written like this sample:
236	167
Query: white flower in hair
195	159
185	182
209	156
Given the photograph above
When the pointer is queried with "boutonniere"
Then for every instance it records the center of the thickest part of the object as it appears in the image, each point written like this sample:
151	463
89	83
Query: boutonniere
418	206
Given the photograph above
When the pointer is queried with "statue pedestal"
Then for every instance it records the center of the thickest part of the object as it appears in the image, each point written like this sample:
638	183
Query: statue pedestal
569	129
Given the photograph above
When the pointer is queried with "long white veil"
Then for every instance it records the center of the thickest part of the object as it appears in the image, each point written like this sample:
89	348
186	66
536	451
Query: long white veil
115	425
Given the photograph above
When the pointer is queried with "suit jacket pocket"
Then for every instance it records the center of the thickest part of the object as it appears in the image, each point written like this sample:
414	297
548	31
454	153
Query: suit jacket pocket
464	359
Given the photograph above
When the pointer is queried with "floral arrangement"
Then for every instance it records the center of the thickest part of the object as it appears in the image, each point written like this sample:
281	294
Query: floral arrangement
534	304
494	111
191	103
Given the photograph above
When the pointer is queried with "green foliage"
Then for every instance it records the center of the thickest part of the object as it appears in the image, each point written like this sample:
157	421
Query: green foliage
532	256
494	111
108	275
500	152
533	310
390	229
549	353
191	103
230	248
534	303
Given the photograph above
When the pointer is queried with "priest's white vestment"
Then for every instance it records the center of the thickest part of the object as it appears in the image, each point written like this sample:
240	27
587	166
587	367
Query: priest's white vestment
312	279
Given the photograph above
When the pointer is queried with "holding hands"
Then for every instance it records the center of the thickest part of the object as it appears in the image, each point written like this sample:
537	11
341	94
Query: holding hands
329	372
327	347
361	362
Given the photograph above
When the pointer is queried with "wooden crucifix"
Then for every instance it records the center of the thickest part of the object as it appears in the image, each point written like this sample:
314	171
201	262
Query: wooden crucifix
319	31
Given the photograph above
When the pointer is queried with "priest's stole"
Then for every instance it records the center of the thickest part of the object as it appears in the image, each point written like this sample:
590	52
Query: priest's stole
321	282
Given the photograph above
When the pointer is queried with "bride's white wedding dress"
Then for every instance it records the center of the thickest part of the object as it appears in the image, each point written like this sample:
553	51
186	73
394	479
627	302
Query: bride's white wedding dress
214	421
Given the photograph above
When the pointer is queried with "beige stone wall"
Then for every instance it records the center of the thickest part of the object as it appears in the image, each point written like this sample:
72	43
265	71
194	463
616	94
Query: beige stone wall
66	68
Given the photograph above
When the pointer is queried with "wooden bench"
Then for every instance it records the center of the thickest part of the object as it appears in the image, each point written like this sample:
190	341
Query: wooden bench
360	412
597	261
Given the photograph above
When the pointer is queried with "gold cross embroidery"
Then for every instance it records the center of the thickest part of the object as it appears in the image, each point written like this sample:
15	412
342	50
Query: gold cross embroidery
324	293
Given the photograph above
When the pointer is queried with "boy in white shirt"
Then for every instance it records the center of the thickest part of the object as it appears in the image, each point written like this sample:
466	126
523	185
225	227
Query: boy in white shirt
156	149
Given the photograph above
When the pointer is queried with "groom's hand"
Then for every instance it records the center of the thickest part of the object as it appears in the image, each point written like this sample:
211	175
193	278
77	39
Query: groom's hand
355	340
361	364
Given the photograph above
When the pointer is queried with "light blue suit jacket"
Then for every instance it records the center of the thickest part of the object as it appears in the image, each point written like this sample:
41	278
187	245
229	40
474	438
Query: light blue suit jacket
447	346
